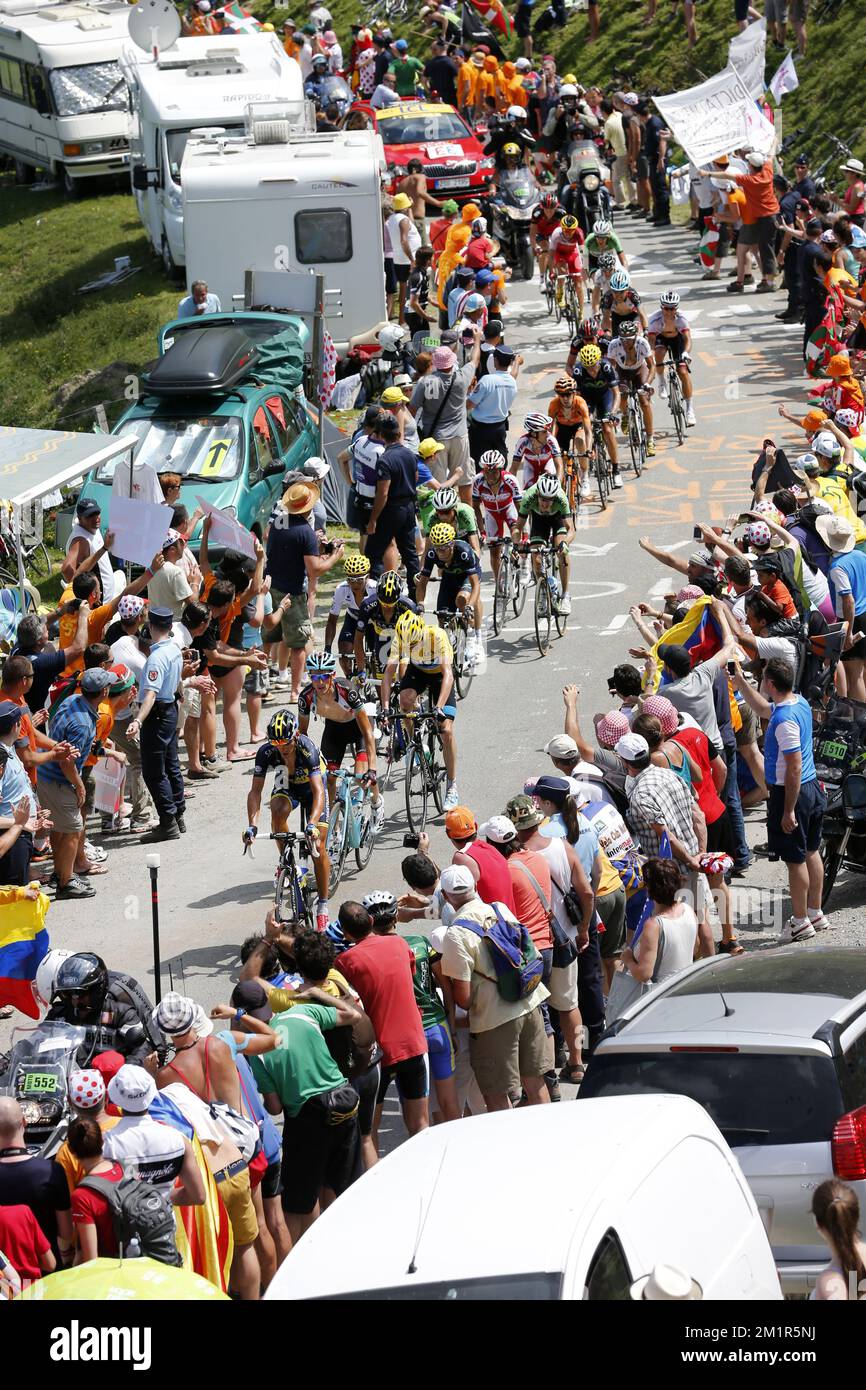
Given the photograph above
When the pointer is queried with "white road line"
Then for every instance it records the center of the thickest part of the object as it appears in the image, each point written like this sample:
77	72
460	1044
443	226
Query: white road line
616	624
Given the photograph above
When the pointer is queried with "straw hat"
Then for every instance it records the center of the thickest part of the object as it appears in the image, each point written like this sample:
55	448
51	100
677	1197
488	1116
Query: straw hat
300	498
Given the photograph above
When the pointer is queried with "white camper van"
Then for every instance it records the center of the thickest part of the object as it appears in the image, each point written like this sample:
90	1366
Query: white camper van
197	83
274	200
64	104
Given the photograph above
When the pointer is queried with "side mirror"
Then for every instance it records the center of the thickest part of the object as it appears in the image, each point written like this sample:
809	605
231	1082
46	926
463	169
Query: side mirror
141	178
273	469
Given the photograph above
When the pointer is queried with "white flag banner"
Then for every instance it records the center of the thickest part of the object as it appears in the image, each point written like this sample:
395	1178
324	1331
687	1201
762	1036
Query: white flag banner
747	52
716	118
785	78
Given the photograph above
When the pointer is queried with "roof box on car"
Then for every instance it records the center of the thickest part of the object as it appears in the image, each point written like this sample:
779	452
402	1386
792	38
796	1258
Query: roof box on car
203	359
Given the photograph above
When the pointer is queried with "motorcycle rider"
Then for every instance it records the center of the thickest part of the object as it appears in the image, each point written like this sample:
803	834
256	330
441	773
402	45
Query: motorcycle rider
110	1003
512	131
316	86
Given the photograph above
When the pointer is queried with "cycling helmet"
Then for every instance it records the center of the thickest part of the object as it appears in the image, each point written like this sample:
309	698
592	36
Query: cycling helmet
380	905
356	566
548	485
511	148
46	975
492	459
549	200
758	533
81	984
282	726
391	336
564	385
389	587
629	329
569	224
568	89
515	113
445	499
410	627
589	329
590	354
536	421
620	280
321	663
442	534
669	300
847	419
607	260
602	227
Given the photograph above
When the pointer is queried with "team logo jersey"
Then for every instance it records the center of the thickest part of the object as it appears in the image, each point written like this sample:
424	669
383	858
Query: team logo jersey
463	561
501	503
565	248
625	306
656	323
344	696
590	386
530	504
344	598
618	354
431	652
536	458
546	223
308	764
378	631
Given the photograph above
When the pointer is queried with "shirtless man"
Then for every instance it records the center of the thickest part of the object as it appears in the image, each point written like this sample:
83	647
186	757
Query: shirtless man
414	185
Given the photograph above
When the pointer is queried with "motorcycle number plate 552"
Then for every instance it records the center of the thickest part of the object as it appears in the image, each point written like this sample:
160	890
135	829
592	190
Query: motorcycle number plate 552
39	1082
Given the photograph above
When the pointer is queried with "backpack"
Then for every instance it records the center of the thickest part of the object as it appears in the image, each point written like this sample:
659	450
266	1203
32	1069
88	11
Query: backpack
516	963
143	1218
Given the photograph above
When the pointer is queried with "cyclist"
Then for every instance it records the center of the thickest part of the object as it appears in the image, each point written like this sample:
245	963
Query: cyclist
444	505
495	494
590	331
423	659
572	425
668	331
608	265
460	585
547	507
565	259
596	381
347	725
349	595
631	354
603	241
619	303
537	450
298	781
546	217
377	619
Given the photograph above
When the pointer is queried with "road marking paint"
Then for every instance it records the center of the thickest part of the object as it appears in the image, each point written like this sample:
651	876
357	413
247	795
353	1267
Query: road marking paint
615	625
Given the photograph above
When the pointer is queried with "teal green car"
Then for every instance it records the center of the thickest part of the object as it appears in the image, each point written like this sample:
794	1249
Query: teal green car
224	406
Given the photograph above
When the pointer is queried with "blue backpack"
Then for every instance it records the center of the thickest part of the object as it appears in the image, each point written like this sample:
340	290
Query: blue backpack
516	963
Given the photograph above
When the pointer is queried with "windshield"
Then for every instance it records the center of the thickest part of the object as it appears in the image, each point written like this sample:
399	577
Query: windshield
92	87
519	185
175	141
46	1041
527	1287
420	130
207	449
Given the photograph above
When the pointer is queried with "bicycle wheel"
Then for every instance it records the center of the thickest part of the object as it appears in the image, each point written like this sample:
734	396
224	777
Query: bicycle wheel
416	791
675	401
561	619
542	614
464	671
635	437
599	464
338	843
557	305
502	591
38	563
367	838
549	293
519	583
571	472
436	769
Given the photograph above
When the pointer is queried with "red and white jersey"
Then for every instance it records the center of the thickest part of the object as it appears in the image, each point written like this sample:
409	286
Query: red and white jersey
536	458
501	503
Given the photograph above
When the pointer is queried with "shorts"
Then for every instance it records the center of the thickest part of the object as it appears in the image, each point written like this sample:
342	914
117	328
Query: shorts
429	682
570	261
642	167
751	726
543	528
495	527
320	1150
337	739
440	1050
805	838
455	458
776	11
299	796
296	626
741	10
401	273
358	511
798	11
676	345
412	1076
367	1086
501	1056
858	651
60	799
390	277
720	836
523	22
450	586
599	404
257	682
611	910
348	630
564	434
271	1186
237	1198
192	702
563	988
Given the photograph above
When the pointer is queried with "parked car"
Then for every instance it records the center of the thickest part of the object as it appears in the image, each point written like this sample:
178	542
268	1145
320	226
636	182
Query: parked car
453	1213
453	159
773	1046
219	407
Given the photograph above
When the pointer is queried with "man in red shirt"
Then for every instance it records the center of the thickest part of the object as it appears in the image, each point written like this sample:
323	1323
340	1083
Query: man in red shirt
759	213
488	868
381	970
24	1250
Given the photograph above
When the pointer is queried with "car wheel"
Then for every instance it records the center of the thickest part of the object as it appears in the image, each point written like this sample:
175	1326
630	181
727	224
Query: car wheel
24	173
71	186
168	262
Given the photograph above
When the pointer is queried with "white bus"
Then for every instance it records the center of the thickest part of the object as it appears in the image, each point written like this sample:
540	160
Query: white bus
196	83
64	104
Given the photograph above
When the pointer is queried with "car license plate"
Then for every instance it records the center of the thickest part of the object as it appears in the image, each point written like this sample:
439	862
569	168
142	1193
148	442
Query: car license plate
450	183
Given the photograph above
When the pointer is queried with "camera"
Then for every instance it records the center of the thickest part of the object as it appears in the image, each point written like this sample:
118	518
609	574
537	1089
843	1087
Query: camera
328	547
410	840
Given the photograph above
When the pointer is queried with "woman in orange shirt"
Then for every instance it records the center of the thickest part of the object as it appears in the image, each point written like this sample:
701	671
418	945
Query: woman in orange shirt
572	422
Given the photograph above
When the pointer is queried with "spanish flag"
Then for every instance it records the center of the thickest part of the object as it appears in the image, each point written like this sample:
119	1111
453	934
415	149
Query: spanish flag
23	943
698	631
204	1234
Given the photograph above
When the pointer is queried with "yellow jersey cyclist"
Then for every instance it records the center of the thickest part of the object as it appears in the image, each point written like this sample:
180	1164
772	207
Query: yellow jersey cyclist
631	354
348	597
596	380
347	725
422	660
668	331
547	507
460	585
298	781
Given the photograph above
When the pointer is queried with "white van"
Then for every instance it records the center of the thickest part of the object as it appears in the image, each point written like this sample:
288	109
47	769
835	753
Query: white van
197	83
550	1202
64	103
278	201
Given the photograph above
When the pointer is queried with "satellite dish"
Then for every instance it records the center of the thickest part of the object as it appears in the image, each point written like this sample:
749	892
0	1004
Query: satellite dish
154	24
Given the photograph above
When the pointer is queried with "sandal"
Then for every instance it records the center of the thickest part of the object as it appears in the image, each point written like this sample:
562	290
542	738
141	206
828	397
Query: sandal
573	1075
729	948
92	868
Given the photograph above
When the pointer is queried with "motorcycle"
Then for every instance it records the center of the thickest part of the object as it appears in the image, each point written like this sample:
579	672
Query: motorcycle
516	195
585	194
36	1074
333	91
839	746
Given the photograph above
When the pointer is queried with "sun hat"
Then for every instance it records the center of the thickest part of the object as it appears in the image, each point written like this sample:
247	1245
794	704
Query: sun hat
428	447
97	679
86	1088
175	1013
300	498
460	823
443	359
132	1090
666	1284
632	748
563	747
813	419
401	202
836	532
611	728
661	708
329	36
477	59
456	879
848	419
853	166
523	812
392	395
839	365
498	830
129	607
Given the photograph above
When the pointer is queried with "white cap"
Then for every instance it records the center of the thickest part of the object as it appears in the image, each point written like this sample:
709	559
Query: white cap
632	748
756	159
456	879
825	443
499	830
132	1090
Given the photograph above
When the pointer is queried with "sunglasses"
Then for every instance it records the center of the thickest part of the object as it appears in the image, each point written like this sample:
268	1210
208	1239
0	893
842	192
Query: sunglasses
319	677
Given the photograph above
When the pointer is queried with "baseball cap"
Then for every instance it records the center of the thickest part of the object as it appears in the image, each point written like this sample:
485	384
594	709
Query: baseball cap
858	238
632	748
814	225
97	679
756	159
631	98
162	615
504	352
552	788
474	302
808	464
86	1088
175	1013
449	207
460	823
801	160
498	830
676	657
132	1089
522	64
825	443
562	746
130	606
392	395
443	359
456	879
769	562
611	728
464	272
428	447
10	713
87	506
125	679
484	277
401	45
251	997
523	812
171	538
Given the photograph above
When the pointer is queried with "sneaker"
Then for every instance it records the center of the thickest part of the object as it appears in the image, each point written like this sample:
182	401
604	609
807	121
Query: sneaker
214	764
748	279
650	448
711	275
202	774
76	888
585	494
95	853
663	388
821	923
690	414
565	603
452	797
141	827
791	932
166	830
281	682
735	287
617	480
552	1083
181	824
379	815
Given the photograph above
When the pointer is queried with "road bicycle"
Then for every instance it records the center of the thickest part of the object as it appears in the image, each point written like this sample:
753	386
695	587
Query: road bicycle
571	479
636	429
425	766
571	310
600	467
37	561
676	399
457	626
295	891
350	824
512	583
548	593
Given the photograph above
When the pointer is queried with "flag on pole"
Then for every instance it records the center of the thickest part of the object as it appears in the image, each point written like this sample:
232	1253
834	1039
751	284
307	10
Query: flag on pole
476	32
785	78
494	13
237	20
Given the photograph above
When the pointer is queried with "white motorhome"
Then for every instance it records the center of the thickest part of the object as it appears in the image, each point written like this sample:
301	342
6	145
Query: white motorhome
64	104
277	201
197	83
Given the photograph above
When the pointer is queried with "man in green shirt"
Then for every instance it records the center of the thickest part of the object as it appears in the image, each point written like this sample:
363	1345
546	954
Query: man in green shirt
547	506
407	70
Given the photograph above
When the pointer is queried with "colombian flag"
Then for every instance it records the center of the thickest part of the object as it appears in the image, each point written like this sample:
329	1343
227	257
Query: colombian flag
23	943
698	631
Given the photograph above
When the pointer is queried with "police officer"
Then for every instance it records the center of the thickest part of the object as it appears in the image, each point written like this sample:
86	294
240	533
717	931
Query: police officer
157	695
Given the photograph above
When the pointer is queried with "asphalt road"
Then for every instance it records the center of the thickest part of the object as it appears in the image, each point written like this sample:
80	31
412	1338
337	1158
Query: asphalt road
744	363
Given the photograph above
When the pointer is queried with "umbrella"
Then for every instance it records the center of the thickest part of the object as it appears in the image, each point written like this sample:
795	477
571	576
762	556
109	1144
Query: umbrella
139	1281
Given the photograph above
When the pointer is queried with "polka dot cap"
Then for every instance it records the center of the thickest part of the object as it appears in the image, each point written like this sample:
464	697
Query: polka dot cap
86	1089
